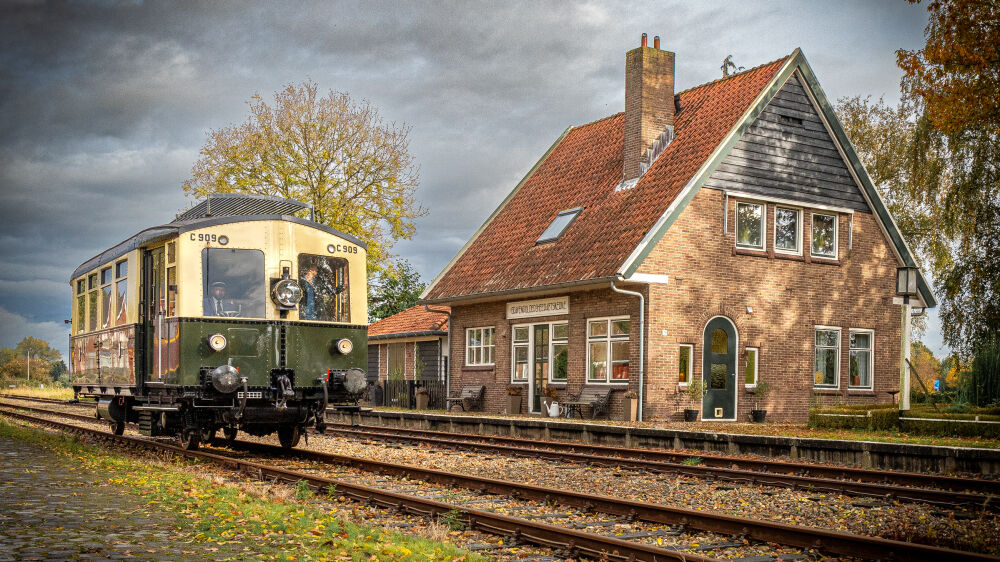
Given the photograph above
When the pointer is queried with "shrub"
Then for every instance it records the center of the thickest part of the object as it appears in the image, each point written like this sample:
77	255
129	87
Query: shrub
980	386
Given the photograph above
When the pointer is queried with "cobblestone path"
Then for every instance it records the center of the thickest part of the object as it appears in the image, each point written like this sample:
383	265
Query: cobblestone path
52	510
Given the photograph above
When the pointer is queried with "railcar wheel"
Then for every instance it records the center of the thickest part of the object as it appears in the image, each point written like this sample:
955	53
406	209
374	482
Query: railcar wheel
288	436
189	439
229	433
207	434
118	427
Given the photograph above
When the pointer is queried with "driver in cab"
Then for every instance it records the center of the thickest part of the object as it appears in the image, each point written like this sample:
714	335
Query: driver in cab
216	304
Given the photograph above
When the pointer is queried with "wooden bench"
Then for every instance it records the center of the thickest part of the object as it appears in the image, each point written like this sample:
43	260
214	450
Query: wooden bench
471	398
598	398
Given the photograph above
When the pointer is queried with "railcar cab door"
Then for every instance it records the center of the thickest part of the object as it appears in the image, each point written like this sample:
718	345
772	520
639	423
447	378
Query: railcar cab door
153	312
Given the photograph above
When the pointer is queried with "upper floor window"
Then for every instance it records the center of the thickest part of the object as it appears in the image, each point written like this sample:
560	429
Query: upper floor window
750	226
787	230
479	346
559	225
824	235
827	358
608	349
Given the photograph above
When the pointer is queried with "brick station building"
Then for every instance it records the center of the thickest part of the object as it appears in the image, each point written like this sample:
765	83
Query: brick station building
726	233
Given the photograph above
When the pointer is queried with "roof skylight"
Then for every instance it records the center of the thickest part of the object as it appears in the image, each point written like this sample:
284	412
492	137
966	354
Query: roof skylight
559	225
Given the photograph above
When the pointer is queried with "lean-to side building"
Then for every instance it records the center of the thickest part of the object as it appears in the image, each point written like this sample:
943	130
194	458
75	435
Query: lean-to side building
726	233
409	345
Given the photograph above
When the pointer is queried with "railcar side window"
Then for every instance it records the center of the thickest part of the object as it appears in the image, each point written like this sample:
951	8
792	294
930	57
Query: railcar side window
121	288
325	289
92	302
106	298
234	284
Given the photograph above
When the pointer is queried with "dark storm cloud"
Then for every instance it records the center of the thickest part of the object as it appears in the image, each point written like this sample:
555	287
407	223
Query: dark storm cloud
104	105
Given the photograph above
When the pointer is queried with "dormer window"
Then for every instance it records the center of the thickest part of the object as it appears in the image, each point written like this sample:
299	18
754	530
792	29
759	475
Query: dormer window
559	225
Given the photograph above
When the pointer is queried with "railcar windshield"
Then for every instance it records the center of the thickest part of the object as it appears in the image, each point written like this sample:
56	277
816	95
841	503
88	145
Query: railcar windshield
325	289
234	284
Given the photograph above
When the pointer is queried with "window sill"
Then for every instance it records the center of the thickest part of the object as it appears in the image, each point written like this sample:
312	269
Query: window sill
791	257
478	367
826	391
750	252
824	261
861	391
610	383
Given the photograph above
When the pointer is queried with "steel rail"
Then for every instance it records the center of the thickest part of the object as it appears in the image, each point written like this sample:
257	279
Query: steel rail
914	479
571	541
836	542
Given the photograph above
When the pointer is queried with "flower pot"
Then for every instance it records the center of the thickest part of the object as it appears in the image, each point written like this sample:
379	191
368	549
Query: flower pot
514	404
423	399
758	415
631	409
690	415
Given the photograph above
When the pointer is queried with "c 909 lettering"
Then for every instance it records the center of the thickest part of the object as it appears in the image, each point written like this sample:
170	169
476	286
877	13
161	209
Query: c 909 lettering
204	237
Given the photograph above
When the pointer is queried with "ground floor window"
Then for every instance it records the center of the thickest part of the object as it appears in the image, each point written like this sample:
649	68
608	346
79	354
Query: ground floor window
861	359
827	358
608	349
684	363
479	346
550	342
750	369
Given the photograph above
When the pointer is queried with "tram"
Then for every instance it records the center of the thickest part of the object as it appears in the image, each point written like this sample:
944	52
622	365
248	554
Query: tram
239	315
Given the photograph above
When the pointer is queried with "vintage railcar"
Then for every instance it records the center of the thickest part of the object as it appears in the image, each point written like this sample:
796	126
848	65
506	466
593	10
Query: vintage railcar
238	315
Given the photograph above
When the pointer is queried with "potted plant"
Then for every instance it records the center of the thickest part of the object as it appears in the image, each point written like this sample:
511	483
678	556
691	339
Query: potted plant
423	397
631	405
514	399
693	393
760	393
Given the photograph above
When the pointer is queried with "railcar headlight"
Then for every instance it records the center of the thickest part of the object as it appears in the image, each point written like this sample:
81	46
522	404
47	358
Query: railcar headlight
355	381
345	346
217	342
287	292
226	379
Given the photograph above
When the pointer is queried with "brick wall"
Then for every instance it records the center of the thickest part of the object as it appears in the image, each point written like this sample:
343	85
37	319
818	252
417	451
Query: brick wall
709	277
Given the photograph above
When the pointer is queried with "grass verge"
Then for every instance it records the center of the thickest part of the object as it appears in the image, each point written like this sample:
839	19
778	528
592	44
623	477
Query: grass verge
55	392
283	528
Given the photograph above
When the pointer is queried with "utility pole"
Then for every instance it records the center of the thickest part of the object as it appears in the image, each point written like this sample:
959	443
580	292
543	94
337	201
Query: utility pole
28	353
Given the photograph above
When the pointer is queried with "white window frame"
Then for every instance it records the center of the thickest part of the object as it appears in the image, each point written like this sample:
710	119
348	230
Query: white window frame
608	339
836	235
756	366
690	362
871	358
836	376
531	346
798	231
481	347
763	226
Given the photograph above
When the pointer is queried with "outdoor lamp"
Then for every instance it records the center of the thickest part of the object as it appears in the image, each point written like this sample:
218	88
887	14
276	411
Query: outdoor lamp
906	283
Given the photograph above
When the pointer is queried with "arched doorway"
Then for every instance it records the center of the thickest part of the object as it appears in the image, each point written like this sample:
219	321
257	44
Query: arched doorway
719	370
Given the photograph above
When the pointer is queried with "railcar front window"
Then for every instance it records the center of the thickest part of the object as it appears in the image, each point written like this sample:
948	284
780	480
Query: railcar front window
325	289
233	283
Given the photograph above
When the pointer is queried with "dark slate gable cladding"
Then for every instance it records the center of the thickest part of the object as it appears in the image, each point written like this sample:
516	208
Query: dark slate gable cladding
788	154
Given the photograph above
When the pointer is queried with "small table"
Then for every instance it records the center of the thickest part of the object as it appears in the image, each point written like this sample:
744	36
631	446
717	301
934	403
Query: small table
892	394
575	407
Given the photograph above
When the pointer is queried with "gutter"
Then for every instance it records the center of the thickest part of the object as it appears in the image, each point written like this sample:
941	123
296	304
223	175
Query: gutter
402	335
642	340
596	282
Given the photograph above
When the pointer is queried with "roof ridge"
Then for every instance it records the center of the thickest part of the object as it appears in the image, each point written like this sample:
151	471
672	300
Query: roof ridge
724	78
596	121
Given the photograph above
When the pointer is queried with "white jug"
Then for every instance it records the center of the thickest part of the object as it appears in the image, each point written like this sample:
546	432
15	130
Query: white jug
554	410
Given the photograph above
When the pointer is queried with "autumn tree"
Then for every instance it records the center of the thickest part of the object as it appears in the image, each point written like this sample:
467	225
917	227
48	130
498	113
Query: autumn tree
954	86
330	151
397	289
927	366
35	347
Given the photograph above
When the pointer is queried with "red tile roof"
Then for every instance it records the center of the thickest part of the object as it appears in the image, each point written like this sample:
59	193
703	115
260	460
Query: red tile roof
411	321
583	170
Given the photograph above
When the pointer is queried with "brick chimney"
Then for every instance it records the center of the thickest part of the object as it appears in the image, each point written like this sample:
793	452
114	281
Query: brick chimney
649	101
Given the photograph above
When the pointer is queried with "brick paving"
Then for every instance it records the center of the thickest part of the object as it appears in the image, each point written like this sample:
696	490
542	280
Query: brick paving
53	510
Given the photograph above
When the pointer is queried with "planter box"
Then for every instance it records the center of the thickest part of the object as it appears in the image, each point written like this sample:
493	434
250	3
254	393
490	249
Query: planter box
513	404
631	409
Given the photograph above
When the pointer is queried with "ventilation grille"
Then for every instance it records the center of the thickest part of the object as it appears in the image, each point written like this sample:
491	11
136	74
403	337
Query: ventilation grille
238	204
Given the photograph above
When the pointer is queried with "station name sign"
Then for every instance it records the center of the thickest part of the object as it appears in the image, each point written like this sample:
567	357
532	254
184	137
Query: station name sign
538	307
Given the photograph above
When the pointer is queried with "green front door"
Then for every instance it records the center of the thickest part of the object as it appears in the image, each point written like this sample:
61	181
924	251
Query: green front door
719	371
539	363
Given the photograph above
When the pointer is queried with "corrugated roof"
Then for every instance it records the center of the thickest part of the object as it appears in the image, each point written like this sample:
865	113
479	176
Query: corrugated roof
583	170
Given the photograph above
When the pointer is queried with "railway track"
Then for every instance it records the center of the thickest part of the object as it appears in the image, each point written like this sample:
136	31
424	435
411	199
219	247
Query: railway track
932	489
677	520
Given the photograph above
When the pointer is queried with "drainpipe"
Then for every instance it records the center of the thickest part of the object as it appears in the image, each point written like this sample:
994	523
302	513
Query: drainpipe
447	374
642	340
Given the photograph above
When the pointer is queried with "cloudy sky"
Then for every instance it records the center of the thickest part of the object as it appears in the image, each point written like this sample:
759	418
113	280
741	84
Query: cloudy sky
104	105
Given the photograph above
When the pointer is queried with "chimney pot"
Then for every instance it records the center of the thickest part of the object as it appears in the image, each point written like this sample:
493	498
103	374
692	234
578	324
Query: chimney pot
643	39
656	41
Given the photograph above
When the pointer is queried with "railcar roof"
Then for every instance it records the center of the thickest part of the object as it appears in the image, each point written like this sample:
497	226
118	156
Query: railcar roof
180	226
